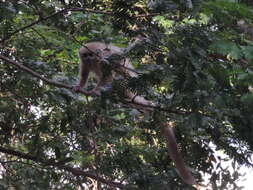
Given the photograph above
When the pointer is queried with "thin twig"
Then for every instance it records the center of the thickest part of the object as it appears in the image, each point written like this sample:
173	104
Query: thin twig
32	24
61	12
91	11
74	171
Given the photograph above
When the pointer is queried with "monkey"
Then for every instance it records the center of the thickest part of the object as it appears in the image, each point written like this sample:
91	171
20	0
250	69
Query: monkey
91	56
91	59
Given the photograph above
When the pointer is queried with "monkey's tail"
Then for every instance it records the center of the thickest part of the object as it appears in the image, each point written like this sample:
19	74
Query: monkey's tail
175	155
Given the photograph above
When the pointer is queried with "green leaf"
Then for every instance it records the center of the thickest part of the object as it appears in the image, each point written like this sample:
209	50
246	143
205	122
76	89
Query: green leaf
230	49
247	99
248	52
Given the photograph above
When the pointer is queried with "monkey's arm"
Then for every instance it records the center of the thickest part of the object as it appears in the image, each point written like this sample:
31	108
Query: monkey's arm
84	73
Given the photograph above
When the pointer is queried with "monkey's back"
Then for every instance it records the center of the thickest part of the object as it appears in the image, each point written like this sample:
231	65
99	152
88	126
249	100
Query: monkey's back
100	46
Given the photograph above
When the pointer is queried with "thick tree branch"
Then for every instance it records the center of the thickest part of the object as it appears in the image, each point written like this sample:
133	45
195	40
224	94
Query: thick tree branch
60	85
74	171
80	172
127	50
37	75
18	154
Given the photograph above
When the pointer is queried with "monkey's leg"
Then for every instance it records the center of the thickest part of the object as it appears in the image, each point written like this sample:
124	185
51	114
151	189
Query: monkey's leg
103	84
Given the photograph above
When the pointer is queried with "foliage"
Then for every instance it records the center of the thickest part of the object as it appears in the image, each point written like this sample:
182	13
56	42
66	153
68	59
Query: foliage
196	65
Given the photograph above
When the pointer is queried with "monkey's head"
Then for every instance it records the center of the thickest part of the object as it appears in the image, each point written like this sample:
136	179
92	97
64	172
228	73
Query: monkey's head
91	54
88	56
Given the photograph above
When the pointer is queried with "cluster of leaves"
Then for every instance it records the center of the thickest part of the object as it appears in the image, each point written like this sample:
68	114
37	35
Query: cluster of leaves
196	65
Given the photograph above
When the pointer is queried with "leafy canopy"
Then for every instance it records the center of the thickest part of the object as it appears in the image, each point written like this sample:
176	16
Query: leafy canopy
196	65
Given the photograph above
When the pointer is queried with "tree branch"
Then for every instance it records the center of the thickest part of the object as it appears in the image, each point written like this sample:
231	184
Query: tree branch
74	171
48	17
91	11
60	85
62	12
32	24
37	75
80	172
